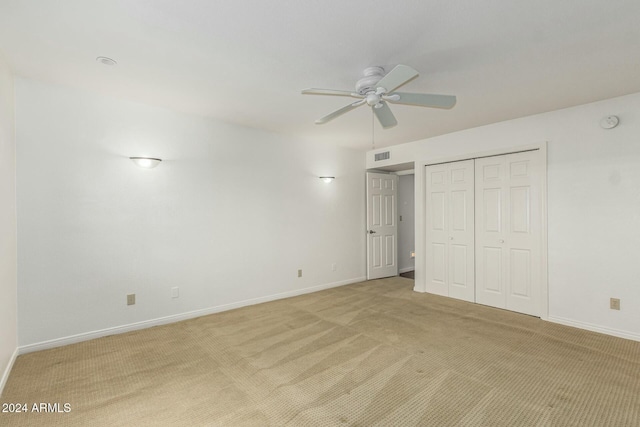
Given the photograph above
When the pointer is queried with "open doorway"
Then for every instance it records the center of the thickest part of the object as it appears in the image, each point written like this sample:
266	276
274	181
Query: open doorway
388	254
406	224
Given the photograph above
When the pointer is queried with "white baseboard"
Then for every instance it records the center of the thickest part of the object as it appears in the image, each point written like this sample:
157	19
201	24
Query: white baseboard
594	328
58	342
405	270
7	371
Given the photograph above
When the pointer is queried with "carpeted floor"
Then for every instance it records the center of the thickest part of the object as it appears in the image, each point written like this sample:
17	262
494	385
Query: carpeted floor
372	353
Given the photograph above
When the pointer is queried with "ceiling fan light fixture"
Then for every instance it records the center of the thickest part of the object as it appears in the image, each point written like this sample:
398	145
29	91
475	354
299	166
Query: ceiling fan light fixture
373	99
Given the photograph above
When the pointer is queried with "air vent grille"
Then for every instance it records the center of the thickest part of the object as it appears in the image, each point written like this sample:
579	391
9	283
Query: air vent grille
383	156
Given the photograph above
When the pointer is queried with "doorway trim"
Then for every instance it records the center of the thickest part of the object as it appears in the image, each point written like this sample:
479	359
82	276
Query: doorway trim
420	211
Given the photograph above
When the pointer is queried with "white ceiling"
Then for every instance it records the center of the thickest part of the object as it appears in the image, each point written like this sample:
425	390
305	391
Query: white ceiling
245	61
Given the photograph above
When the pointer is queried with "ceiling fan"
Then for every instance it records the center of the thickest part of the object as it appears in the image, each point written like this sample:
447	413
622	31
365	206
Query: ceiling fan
377	89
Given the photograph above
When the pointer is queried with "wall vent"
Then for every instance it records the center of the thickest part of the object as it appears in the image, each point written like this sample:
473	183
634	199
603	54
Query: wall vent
382	156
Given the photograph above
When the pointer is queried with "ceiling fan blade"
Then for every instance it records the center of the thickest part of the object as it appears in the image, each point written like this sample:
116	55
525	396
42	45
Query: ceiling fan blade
385	116
422	99
314	91
400	75
339	112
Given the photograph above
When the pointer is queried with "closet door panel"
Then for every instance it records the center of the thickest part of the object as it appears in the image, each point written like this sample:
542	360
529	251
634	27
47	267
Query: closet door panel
449	230
436	228
461	231
523	238
508	232
490	219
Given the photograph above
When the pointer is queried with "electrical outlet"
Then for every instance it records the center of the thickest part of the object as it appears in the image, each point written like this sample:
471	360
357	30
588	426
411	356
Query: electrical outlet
131	299
175	292
614	303
334	266
299	273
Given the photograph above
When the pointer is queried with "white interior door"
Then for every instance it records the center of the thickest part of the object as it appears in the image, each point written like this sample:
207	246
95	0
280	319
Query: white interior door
450	229
382	225
508	229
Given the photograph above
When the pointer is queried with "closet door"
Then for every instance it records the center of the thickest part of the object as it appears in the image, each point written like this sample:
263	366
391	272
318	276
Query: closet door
449	230
508	204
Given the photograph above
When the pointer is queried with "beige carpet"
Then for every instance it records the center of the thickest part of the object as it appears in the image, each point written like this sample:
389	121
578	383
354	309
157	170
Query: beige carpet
372	353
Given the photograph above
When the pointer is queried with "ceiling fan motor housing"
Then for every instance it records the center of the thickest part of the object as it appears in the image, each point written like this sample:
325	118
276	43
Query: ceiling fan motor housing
372	76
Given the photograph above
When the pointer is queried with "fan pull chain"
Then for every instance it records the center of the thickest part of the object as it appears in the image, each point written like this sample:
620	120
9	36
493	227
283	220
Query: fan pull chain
373	143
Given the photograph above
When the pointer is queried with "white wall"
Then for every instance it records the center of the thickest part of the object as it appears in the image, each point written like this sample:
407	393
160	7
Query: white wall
230	215
406	229
593	205
8	263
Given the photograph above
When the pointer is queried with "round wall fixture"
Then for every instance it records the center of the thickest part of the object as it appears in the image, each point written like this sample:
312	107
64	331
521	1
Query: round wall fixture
609	122
146	162
106	61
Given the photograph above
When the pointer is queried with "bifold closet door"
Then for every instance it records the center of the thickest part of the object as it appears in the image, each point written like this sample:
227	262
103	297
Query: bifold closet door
508	221
449	229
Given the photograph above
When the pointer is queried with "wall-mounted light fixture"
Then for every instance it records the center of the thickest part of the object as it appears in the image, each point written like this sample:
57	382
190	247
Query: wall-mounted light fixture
327	179
146	162
106	61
